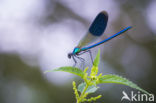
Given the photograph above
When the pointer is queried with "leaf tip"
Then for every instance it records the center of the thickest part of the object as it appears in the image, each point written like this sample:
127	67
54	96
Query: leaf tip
97	59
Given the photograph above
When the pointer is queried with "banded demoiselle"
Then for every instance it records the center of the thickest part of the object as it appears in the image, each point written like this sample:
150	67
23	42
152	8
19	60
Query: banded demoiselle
95	30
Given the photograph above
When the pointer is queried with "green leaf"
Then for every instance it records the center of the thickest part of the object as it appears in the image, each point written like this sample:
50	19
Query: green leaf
81	87
97	59
119	80
69	69
90	89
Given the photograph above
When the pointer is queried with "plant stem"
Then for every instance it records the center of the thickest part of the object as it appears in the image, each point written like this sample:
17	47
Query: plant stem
82	94
84	90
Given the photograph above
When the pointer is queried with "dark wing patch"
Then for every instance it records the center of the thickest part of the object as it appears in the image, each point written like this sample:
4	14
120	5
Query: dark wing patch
99	24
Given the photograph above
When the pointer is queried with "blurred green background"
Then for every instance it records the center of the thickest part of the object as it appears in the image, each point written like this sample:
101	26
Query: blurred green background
37	35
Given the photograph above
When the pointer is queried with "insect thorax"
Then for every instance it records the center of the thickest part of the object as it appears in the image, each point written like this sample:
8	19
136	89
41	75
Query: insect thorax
76	50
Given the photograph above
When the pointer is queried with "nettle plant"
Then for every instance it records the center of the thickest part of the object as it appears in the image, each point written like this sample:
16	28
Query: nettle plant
91	81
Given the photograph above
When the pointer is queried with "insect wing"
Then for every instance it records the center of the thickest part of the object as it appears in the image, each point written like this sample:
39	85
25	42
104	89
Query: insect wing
96	29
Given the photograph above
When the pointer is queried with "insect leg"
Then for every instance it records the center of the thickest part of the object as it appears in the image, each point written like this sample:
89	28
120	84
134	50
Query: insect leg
75	62
82	61
90	53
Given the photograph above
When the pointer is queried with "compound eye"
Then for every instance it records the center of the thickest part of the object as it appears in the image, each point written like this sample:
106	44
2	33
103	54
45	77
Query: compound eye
69	56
